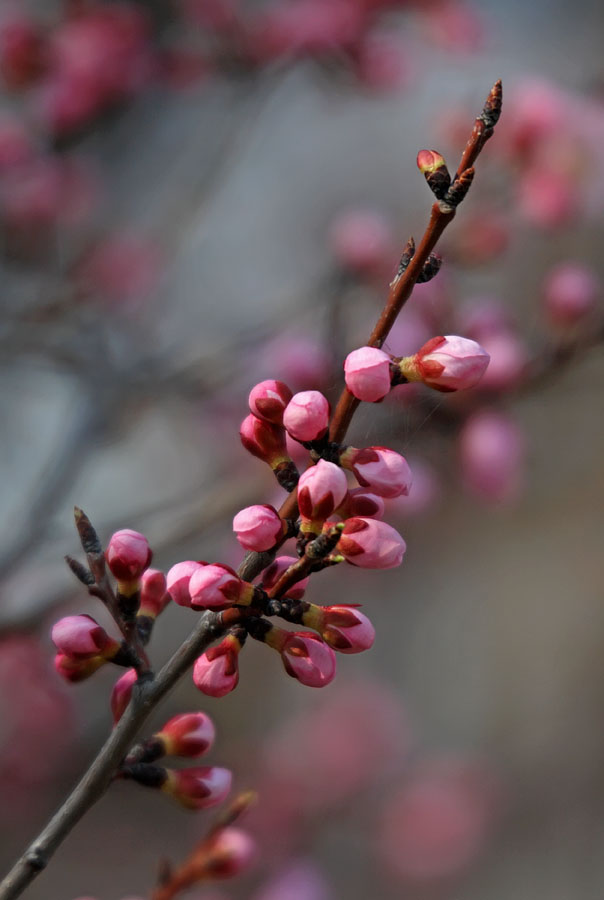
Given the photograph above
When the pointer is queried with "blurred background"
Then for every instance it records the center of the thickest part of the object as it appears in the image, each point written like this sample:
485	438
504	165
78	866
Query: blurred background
200	194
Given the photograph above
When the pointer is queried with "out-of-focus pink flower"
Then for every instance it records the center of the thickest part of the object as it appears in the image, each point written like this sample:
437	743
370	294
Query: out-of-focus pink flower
216	672
306	27
214	587
321	489
188	735
362	242
273	573
80	637
300	359
449	363
547	198
480	238
343	627
231	852
371	544
216	15
22	49
379	469
367	373
128	554
299	880
258	527
268	400
436	825
124	268
306	416
570	293
121	694
178	579
15	144
536	111
508	361
382	62
423	494
455	25
492	450
199	787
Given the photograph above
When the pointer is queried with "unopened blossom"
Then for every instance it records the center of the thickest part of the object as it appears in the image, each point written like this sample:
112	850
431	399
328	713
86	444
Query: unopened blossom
371	544
217	587
216	672
258	527
73	669
305	656
570	293
264	440
199	787
229	852
268	400
154	593
306	416
379	469
321	489
81	637
121	694
188	735
447	363
360	502
128	554
367	374
178	579
342	627
277	568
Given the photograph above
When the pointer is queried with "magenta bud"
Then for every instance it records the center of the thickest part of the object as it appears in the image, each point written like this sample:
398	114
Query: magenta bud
343	627
121	694
178	579
214	587
273	573
73	669
382	471
264	440
367	374
268	400
216	672
128	554
308	658
154	593
321	489
230	853
258	527
306	417
80	637
570	293
371	544
199	787
448	363
189	734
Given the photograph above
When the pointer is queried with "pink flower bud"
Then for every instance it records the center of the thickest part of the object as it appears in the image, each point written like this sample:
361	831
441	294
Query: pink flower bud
367	374
492	450
268	400
216	672
121	694
199	787
273	573
371	544
379	469
362	241
448	363
308	658
80	637
258	527
320	490
230	852
190	734
154	593
570	293
343	627
429	161
128	554
362	503
306	416
264	440
178	579
73	669
214	587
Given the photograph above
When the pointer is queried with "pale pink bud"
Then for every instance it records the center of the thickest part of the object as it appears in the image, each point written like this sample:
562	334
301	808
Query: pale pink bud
273	573
80	637
492	450
199	787
306	416
371	544
449	363
216	672
343	627
308	658
214	587
258	527
367	374
263	440
384	472
189	734
570	293
128	554
320	490
362	503
121	694
154	593
362	241
178	579
230	852
73	669
268	400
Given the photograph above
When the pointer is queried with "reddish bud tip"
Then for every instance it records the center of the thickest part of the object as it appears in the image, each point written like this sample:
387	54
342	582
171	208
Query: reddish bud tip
230	852
121	694
72	669
428	161
154	593
199	787
263	440
190	735
128	554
